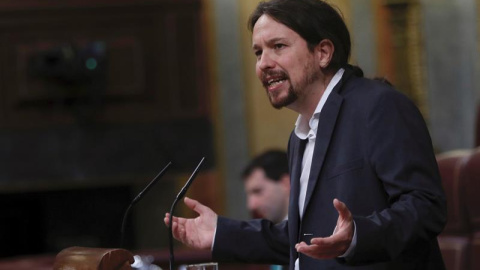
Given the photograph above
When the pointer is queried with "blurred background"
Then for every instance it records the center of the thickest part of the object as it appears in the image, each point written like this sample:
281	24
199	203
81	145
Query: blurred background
96	97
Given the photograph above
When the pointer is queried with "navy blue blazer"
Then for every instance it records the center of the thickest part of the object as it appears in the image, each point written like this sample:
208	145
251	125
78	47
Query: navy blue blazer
373	152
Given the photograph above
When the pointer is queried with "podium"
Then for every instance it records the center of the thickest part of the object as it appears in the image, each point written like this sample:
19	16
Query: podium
83	258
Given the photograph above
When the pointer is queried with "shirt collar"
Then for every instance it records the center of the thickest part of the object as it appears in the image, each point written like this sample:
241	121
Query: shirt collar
303	126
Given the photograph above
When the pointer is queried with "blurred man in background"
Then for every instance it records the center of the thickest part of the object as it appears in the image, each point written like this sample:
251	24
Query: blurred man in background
267	185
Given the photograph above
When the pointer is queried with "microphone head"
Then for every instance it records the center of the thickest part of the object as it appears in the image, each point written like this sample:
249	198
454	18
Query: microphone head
183	191
145	190
139	196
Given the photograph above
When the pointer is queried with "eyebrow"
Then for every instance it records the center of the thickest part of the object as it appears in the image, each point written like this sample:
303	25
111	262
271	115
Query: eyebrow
270	41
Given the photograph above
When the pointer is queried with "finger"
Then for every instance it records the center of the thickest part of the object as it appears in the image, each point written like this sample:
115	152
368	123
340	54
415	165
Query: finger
166	220
320	248
177	223
324	241
340	206
196	206
301	244
342	209
178	231
174	230
317	252
336	244
306	249
309	250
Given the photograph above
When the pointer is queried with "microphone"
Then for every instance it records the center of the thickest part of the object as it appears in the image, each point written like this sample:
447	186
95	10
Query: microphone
139	196
179	196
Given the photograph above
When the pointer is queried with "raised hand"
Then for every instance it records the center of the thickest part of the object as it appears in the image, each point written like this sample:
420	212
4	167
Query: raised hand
336	244
194	232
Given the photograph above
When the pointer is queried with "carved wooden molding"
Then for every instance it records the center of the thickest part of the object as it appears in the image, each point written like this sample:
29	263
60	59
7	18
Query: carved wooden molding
407	42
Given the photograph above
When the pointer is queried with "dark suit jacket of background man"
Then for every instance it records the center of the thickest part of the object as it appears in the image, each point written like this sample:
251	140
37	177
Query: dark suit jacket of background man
374	153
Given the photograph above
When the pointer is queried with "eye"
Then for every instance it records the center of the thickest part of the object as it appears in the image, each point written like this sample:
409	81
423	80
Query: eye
257	191
258	53
279	46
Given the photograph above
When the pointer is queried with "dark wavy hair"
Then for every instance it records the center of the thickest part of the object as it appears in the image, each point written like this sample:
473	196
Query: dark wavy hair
274	162
313	20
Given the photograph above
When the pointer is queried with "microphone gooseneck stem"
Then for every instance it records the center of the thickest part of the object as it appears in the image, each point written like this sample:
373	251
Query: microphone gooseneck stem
124	221
149	186
170	234
180	195
136	199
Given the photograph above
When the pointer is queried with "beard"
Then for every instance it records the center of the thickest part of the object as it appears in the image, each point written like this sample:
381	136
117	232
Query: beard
296	90
280	102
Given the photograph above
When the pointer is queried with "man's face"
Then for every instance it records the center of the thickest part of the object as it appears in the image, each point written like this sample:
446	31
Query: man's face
285	65
266	198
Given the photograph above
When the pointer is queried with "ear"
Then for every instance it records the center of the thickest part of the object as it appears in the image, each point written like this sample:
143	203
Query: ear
285	181
324	53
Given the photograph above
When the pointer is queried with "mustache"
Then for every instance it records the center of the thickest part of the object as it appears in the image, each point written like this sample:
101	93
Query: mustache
273	73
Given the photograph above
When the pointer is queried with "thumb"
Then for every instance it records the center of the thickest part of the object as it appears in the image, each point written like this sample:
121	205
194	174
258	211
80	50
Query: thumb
196	206
342	209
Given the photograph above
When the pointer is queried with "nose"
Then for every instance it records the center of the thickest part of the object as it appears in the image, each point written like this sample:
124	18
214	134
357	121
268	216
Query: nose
252	204
265	61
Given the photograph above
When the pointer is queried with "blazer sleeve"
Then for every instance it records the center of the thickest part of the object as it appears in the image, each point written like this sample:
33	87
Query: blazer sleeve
402	156
254	241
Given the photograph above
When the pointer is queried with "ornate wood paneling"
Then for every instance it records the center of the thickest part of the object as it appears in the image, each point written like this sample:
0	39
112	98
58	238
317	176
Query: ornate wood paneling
401	42
100	61
96	97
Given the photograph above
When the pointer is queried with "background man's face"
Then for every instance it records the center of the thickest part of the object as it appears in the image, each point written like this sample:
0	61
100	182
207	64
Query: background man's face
265	197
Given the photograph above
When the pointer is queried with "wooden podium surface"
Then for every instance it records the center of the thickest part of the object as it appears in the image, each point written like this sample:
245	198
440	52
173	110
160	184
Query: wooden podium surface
82	258
97	258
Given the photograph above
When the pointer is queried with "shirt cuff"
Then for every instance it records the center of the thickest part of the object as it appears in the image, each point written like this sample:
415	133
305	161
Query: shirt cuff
213	240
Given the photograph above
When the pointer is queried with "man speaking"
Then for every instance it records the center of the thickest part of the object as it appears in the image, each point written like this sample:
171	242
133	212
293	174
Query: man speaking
365	188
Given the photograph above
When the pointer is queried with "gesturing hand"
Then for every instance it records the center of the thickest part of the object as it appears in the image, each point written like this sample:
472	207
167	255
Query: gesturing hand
336	244
194	232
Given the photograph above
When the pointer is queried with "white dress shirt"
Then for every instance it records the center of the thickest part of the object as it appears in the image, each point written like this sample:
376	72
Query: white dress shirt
307	129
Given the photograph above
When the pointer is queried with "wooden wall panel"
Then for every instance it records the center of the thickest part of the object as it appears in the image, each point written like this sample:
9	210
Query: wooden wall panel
145	62
98	95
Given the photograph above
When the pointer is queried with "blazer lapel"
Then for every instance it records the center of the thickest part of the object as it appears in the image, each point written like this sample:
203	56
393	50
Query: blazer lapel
326	124
296	149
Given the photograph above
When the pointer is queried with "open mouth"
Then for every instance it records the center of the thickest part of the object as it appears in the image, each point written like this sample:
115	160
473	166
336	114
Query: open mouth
271	81
274	82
